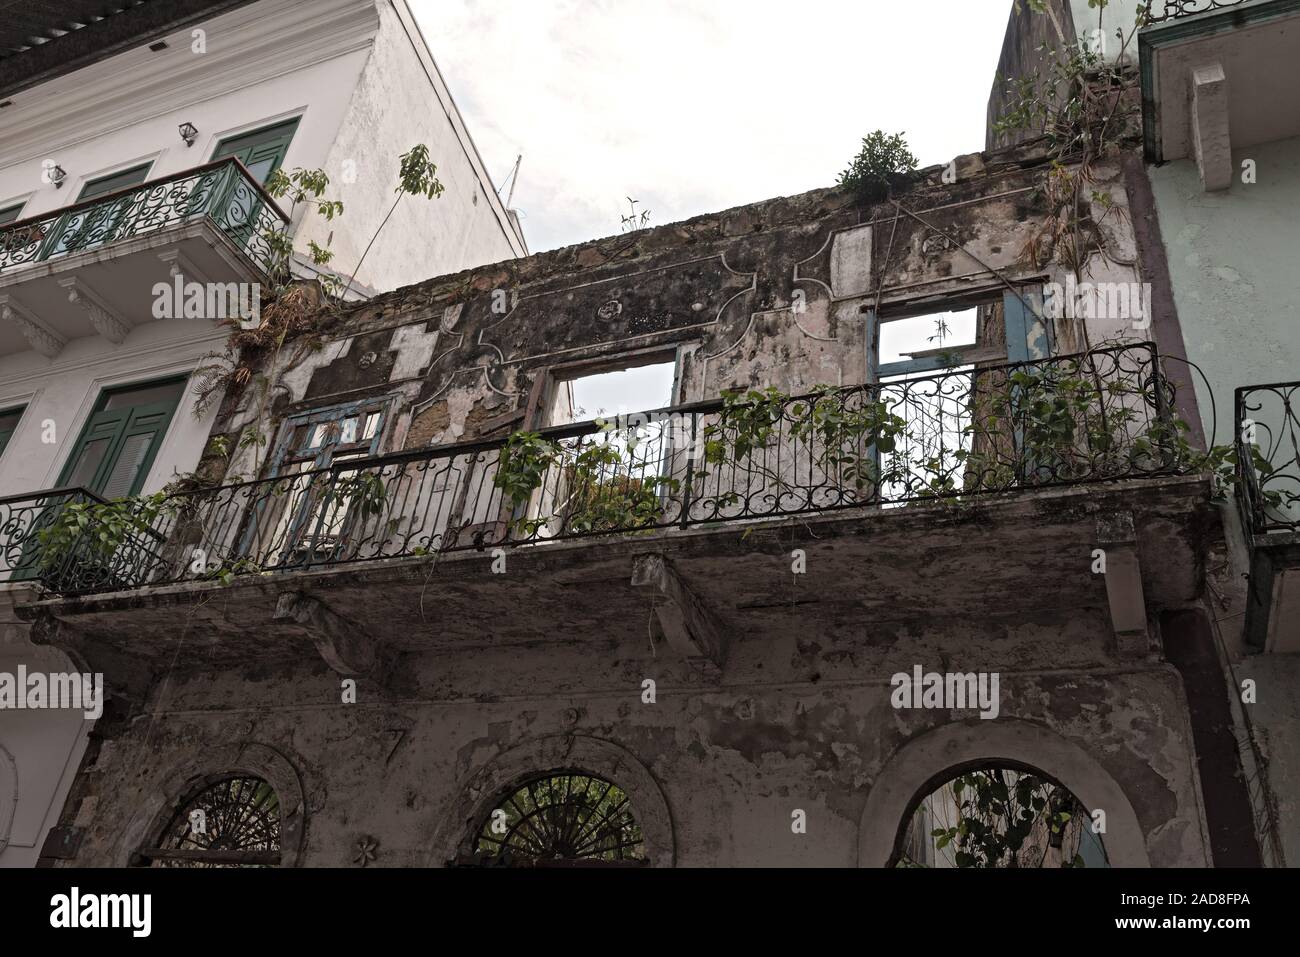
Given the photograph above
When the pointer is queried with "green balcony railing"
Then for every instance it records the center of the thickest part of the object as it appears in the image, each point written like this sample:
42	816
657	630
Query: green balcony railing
223	192
1162	11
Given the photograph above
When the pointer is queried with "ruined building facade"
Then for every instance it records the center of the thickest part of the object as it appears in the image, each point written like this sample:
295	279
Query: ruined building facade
408	632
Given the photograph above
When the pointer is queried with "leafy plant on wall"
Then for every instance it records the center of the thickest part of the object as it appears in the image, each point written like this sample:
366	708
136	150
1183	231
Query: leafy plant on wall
293	311
1083	103
883	160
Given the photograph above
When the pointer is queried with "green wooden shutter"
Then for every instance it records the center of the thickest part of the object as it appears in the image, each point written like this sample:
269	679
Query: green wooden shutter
8	424
262	151
116	449
113	182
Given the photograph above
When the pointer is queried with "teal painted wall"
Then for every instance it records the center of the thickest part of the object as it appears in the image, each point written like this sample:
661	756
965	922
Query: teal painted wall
1234	261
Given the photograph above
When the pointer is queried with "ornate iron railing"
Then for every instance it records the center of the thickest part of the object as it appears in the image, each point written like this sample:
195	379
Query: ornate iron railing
224	192
22	519
1268	457
1099	416
1162	11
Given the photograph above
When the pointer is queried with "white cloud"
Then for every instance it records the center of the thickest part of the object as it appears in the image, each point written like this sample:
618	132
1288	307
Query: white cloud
692	106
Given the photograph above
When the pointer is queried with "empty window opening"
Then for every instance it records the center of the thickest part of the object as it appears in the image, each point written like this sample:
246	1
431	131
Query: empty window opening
920	344
609	394
925	378
617	475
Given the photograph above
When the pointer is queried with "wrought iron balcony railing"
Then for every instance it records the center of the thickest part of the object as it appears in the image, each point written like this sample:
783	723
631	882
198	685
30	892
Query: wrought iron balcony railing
224	192
1162	11
1268	458
1094	417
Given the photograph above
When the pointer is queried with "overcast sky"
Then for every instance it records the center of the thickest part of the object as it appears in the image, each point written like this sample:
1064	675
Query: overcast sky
691	106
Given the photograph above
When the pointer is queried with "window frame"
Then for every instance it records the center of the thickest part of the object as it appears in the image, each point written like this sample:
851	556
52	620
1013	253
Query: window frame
148	855
276	147
296	523
1028	334
121	432
542	401
7	435
541	408
510	854
143	168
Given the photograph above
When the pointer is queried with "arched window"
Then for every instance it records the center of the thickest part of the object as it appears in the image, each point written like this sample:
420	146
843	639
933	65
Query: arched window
231	822
996	816
561	818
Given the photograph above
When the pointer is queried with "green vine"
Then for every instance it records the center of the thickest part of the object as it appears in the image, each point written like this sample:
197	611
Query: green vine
1006	819
1025	426
597	491
80	541
1085	107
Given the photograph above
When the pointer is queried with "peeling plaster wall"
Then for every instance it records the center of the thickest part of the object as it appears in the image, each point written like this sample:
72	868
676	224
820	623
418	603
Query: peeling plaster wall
1275	721
781	293
733	760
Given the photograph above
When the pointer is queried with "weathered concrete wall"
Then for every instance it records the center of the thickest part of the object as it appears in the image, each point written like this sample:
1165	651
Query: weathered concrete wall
780	293
801	722
1274	717
1021	58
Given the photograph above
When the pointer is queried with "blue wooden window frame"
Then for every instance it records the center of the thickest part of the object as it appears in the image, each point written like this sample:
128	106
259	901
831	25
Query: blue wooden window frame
296	446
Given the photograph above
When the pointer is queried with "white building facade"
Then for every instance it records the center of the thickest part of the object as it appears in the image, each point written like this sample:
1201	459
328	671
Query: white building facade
146	165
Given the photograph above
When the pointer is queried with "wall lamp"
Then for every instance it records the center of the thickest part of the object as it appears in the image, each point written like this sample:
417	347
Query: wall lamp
56	175
189	133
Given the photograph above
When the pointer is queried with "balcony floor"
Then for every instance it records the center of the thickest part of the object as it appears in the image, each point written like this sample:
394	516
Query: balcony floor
1017	557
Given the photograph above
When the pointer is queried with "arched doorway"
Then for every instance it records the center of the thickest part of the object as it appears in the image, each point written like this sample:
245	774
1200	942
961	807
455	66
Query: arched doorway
928	760
995	815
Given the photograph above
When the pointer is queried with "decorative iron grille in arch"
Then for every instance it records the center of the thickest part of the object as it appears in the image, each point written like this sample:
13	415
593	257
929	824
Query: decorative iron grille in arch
234	822
561	819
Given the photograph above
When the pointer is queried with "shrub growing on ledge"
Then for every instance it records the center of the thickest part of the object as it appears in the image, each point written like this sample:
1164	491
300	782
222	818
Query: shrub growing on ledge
881	159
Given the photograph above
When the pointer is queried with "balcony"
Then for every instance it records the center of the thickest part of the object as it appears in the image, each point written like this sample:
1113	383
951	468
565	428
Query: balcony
1268	499
1101	416
1164	11
105	256
1212	72
995	478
